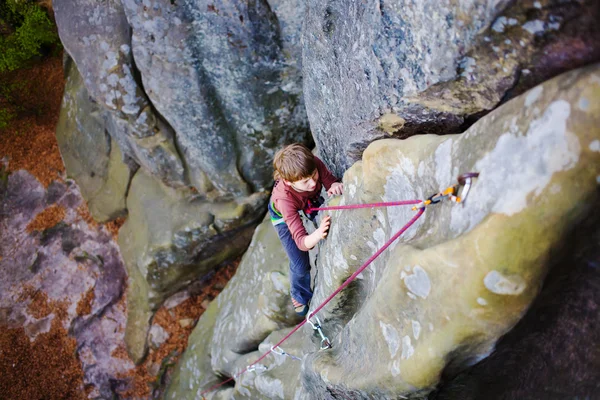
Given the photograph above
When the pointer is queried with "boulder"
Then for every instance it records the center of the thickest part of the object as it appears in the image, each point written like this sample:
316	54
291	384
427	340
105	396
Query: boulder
91	157
553	351
172	237
438	300
98	38
437	67
226	77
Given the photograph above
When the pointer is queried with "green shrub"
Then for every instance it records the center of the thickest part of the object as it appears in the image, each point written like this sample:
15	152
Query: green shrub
24	29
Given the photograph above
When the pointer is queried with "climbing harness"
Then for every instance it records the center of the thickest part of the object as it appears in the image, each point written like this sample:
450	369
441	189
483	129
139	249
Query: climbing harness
325	343
454	193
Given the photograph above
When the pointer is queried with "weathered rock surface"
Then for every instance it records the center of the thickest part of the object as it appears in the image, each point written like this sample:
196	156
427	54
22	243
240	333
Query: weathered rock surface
70	273
172	237
225	76
221	81
460	278
92	158
98	38
553	351
430	66
255	301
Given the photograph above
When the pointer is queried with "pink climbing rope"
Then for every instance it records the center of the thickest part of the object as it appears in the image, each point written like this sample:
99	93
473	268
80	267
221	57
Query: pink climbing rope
343	285
368	205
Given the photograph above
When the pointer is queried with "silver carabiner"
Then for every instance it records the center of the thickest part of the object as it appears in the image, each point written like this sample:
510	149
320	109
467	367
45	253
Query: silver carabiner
278	350
325	342
465	181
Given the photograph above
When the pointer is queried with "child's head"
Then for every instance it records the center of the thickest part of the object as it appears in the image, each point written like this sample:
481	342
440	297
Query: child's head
293	163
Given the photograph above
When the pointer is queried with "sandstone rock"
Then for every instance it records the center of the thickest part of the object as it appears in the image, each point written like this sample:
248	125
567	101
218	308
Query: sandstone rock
97	37
226	77
176	299
473	270
552	352
90	156
171	238
186	322
255	301
460	278
438	66
524	46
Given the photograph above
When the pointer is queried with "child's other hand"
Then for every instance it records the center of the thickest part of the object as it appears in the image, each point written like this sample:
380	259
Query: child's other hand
336	188
323	229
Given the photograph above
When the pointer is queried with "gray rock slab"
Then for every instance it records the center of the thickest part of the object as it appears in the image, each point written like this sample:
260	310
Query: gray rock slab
98	39
226	77
437	67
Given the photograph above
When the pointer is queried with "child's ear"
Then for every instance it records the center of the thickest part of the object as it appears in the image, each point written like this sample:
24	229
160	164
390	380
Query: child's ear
287	183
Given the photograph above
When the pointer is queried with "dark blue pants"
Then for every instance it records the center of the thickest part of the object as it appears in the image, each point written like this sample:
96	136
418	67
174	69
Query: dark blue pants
299	263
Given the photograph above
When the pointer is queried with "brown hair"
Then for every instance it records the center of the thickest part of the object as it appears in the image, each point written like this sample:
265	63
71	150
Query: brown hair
294	162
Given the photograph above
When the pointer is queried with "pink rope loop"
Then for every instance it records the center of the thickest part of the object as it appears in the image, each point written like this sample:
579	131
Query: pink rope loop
340	288
368	205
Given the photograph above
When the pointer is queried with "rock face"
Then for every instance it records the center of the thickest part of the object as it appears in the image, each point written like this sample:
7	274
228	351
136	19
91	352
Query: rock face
255	301
97	37
430	66
556	342
440	298
214	90
66	275
198	94
220	75
169	239
92	158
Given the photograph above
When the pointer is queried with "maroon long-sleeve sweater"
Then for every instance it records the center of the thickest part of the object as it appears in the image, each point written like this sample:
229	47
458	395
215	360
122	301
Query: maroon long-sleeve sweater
289	201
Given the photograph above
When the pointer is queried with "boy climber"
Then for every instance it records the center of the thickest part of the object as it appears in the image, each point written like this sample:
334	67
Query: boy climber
299	176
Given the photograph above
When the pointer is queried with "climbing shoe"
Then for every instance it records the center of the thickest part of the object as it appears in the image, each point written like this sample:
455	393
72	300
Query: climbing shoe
301	309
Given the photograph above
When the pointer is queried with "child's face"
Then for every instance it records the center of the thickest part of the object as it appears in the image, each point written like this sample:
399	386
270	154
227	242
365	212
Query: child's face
306	184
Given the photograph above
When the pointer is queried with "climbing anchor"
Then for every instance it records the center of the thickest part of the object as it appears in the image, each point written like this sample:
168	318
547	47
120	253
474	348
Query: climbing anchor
325	342
454	192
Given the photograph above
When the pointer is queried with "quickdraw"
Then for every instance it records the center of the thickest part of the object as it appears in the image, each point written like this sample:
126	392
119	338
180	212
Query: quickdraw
325	342
279	350
451	192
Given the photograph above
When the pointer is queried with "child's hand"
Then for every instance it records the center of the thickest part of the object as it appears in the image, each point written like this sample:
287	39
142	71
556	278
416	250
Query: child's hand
323	229
336	188
311	240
